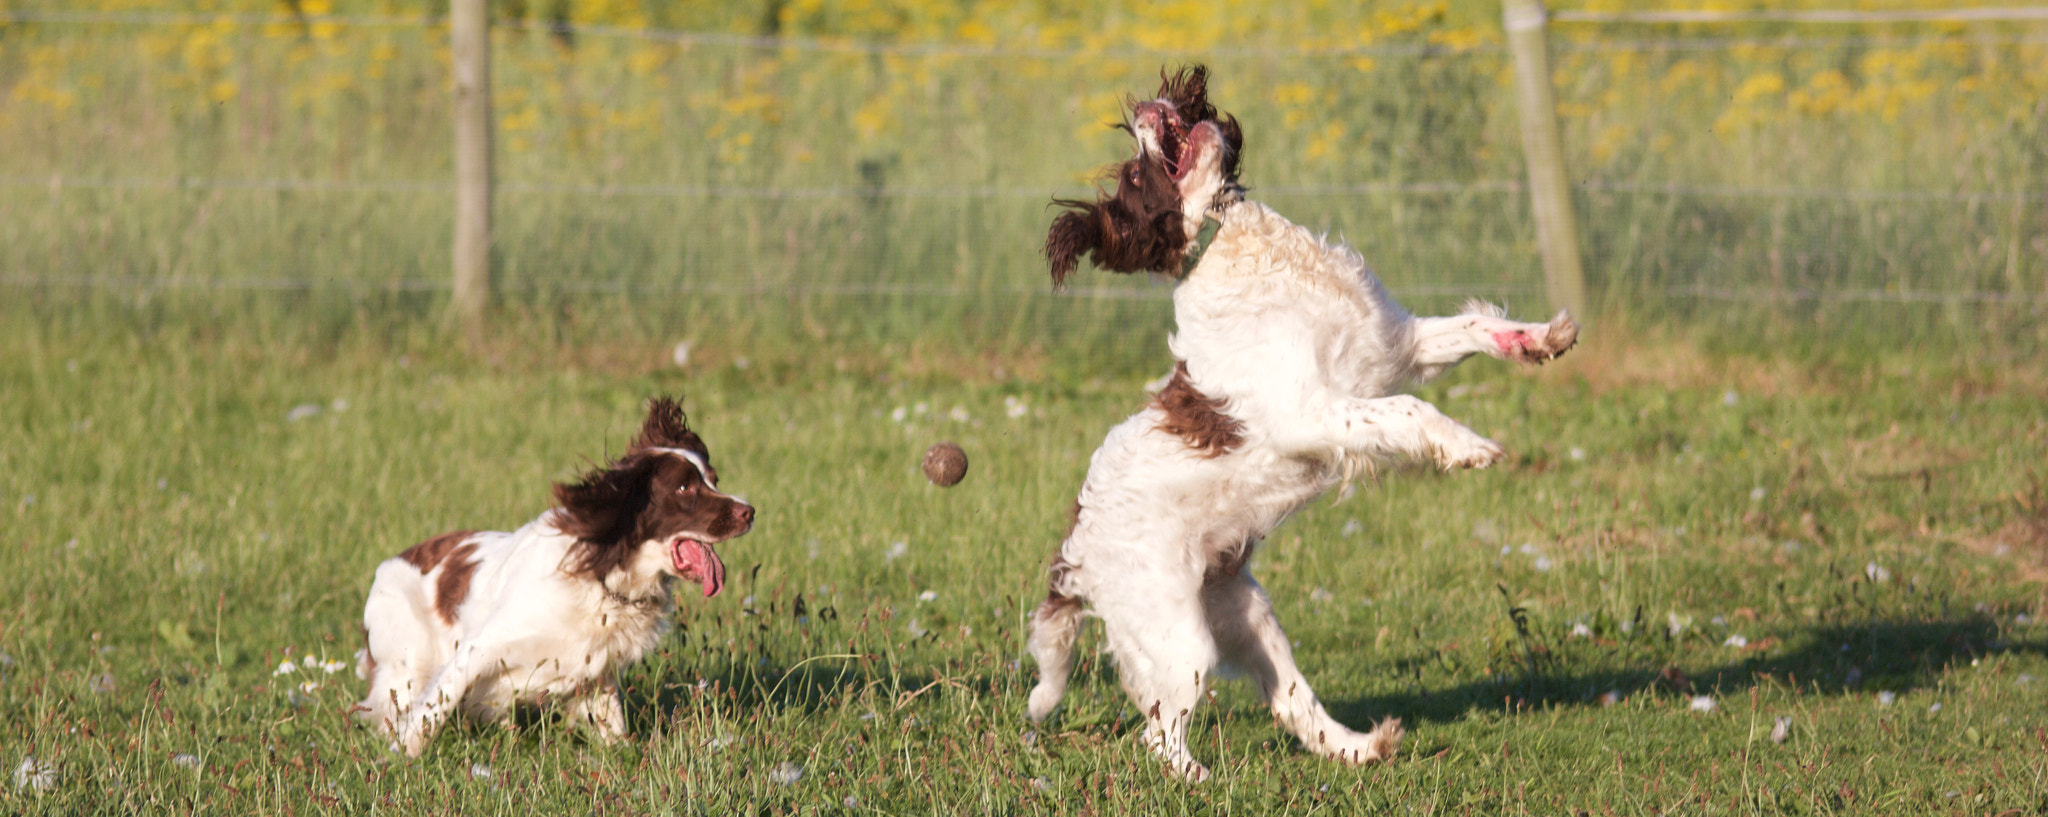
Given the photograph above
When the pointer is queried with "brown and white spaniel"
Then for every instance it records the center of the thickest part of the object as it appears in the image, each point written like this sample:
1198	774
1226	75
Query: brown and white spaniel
549	614
1291	358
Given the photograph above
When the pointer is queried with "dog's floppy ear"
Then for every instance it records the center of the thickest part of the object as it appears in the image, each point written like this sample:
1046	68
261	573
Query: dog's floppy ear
603	507
1188	90
1233	145
667	427
1076	232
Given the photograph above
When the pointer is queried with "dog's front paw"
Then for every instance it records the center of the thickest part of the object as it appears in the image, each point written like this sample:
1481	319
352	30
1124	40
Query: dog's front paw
1538	344
412	737
1470	451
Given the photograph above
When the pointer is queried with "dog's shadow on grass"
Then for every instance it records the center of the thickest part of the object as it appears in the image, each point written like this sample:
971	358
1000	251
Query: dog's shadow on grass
1848	659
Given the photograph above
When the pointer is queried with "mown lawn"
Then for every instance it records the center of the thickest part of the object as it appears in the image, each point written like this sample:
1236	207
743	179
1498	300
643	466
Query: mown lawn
1692	545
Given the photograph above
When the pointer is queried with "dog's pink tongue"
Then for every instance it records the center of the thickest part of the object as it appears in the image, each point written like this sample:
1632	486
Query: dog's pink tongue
697	562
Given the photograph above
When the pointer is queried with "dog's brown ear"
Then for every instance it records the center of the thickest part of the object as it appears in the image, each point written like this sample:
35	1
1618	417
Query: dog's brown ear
667	427
1233	145
1188	90
1075	233
603	507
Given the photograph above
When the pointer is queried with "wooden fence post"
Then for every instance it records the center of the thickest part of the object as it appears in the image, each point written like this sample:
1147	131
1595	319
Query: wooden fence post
1557	230
470	35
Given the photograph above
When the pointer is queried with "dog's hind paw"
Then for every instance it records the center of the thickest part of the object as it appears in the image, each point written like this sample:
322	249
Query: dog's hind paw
1382	743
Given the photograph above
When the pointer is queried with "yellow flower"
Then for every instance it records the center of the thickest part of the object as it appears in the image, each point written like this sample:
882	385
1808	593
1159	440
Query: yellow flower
223	92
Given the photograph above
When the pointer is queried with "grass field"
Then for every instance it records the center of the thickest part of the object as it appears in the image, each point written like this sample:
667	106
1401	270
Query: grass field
1872	527
1793	477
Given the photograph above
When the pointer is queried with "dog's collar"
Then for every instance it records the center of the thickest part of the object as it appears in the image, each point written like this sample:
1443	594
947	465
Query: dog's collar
653	602
1200	245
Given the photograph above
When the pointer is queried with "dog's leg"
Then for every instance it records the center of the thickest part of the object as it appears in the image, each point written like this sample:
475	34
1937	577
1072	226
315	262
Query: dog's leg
1250	638
1164	656
602	707
439	698
1053	628
1441	343
1405	426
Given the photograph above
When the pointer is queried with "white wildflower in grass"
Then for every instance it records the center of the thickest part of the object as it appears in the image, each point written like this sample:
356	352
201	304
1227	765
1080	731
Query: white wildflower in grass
340	404
1781	730
897	550
1320	595
680	355
921	409
478	771
1702	703
1542	564
1737	641
1935	708
102	683
310	687
189	761
285	668
1676	623
302	411
741	363
309	662
1757	494
332	667
928	595
1580	630
34	775
1351	528
916	629
1729	397
1015	408
719	741
899	414
851	802
1876	573
1887	698
2024	679
1578	453
1041	784
958	414
786	773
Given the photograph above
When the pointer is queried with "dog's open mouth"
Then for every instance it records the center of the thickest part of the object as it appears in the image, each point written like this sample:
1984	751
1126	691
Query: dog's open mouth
697	562
1174	143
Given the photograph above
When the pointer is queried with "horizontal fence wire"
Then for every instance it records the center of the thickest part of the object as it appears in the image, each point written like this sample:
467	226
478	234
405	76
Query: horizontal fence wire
1813	16
56	184
865	47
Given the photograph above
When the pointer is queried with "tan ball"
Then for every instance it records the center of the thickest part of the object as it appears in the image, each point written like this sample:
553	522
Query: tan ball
945	464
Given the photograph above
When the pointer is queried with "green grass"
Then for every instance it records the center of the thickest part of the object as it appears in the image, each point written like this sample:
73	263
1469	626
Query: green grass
173	537
177	275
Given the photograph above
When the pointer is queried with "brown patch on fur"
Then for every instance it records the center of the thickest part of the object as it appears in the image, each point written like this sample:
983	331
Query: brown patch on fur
427	554
453	586
1196	417
1056	601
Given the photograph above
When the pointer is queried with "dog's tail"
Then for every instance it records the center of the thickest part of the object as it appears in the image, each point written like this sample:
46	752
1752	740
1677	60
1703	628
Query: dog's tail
1053	628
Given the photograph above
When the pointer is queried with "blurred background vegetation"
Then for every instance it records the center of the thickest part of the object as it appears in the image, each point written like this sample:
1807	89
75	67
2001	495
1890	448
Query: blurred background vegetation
876	172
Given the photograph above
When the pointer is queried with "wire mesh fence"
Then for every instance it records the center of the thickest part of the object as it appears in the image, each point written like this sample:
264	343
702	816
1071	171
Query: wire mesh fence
1878	179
